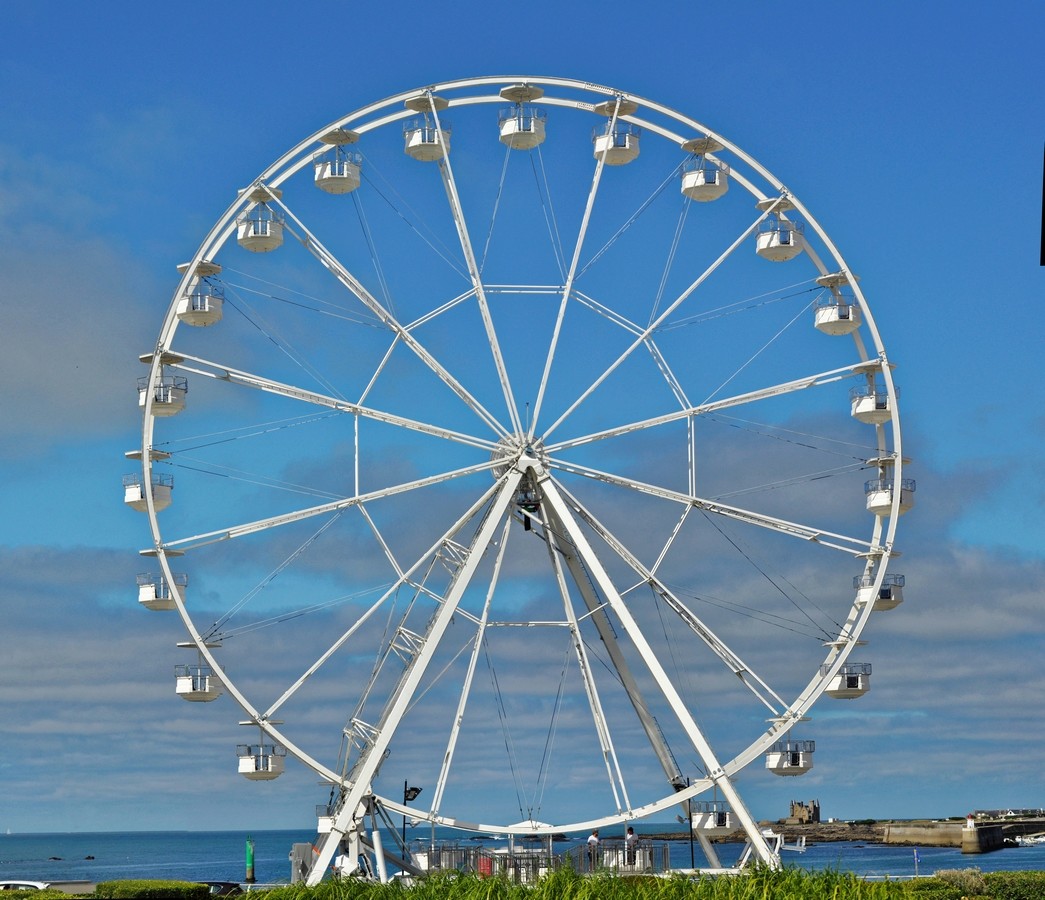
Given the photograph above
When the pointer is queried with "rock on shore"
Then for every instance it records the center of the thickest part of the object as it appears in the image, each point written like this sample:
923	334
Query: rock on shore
822	833
825	832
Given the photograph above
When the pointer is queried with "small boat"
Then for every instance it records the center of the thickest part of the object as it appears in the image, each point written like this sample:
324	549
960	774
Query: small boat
1030	840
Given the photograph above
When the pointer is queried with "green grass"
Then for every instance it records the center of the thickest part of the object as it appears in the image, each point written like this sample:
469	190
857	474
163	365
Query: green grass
759	884
565	884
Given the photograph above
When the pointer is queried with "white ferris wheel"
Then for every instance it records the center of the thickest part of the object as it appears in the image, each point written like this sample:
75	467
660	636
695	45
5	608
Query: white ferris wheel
558	477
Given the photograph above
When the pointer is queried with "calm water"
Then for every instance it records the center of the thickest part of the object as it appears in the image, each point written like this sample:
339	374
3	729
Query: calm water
188	855
221	856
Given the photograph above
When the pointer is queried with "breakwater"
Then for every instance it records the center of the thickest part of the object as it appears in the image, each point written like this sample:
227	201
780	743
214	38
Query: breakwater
931	834
981	838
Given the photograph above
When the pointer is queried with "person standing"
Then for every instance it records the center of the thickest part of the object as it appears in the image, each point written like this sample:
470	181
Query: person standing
631	840
593	849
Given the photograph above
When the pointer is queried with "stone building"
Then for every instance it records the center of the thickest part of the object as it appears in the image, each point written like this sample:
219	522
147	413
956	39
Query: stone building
804	813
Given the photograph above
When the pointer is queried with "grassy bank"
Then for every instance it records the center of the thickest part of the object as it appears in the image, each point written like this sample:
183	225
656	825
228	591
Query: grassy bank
564	884
786	884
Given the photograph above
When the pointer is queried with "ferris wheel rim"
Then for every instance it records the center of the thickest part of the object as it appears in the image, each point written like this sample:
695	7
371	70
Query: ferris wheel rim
883	534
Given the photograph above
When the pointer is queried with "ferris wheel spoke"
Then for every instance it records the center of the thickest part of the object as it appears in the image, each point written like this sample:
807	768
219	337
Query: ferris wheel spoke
776	390
664	683
380	538
660	360
602	728
597	615
380	736
829	539
641	339
738	667
450	185
215	370
404	578
356	287
571	276
248	528
473	659
330	651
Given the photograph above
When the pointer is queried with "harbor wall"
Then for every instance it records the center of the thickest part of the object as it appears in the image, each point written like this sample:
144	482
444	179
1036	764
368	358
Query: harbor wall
934	834
981	839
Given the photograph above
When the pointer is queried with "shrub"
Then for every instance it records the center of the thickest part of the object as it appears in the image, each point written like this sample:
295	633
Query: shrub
153	890
970	881
1015	885
933	889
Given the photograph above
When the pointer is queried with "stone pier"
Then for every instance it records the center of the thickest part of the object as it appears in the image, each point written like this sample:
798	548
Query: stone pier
982	838
971	838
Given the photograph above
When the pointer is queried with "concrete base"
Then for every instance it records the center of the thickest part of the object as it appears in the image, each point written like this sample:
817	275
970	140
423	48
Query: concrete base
982	839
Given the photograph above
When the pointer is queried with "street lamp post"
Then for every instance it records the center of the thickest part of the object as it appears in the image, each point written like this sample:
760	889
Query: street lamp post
689	812
409	793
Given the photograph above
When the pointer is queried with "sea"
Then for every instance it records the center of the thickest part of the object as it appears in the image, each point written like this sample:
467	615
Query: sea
222	855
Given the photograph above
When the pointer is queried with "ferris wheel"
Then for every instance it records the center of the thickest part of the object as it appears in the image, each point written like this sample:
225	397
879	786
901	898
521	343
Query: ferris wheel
528	440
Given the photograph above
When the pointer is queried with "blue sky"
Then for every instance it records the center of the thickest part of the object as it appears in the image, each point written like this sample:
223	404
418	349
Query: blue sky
912	133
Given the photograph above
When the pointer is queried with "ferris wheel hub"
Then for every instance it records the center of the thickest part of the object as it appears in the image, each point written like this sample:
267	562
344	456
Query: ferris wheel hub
519	451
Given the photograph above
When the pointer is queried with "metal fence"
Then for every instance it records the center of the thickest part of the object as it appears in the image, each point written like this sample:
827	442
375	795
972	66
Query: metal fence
526	865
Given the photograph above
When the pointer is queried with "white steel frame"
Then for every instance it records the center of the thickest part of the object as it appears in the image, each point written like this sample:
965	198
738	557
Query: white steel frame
525	451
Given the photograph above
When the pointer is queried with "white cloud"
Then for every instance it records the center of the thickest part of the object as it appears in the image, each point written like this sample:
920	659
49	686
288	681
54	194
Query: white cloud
73	326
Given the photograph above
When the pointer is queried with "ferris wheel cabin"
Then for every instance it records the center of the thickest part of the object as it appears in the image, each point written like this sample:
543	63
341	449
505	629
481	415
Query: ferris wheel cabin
134	494
836	313
425	142
790	757
880	492
155	593
522	127
196	683
870	404
337	171
168	398
851	681
618	146
201	305
708	815
832	316
338	175
260	230
426	138
705	182
778	239
261	762
889	596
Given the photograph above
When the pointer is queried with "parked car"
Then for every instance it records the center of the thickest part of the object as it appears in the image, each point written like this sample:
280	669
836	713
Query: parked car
23	885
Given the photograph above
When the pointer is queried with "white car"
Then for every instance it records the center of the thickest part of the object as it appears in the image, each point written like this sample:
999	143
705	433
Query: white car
23	885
